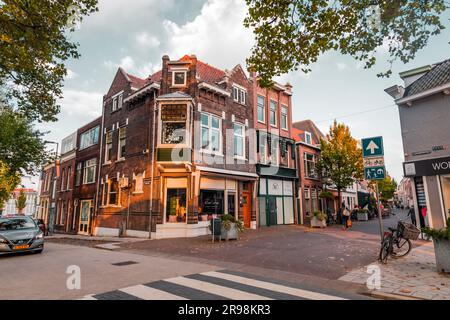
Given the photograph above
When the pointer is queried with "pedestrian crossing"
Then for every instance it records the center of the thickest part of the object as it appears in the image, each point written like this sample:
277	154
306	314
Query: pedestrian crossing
216	285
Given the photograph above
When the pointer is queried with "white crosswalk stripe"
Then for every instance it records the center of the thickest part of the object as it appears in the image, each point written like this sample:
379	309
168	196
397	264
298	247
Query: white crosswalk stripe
148	293
216	289
273	287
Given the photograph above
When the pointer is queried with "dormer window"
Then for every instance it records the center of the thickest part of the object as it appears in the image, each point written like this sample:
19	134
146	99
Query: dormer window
239	95
308	138
179	78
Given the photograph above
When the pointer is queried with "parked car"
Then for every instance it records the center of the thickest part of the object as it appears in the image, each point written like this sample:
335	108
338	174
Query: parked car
41	225
20	234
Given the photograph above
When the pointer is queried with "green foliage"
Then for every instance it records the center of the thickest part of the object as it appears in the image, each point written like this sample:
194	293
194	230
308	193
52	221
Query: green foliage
340	161
438	234
34	44
228	220
292	34
387	188
21	202
22	148
8	182
326	195
319	215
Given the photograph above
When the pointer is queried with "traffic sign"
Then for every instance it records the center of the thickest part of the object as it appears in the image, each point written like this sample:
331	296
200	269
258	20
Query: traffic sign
375	173
373	147
373	162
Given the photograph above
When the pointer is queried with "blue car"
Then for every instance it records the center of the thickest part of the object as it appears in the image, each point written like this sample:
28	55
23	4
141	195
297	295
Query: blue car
20	234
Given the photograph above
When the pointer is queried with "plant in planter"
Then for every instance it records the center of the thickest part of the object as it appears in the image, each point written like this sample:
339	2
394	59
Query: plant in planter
441	239
319	220
231	227
173	217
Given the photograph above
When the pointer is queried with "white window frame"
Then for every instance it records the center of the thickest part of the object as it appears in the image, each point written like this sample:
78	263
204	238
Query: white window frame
108	145
187	142
120	157
275	152
87	135
314	161
239	94
210	131
284	115
273	102
175	71
89	164
263	158
263	107
69	174
308	135
242	136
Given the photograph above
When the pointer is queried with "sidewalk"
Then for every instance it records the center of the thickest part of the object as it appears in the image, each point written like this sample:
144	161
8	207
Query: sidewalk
109	243
414	276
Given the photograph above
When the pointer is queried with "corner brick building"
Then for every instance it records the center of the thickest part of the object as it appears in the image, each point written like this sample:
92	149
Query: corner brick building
172	151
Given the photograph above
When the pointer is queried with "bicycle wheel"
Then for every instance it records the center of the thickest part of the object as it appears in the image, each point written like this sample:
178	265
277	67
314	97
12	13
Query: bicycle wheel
401	248
385	250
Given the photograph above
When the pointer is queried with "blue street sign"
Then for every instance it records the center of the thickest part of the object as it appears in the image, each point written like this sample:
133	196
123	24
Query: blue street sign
375	173
373	147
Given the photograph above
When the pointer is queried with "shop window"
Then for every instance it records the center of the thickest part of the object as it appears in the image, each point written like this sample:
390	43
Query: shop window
212	202
445	182
176	210
173	119
275	152
232	204
263	149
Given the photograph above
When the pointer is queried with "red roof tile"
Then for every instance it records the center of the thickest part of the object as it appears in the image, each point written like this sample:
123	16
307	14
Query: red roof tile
138	82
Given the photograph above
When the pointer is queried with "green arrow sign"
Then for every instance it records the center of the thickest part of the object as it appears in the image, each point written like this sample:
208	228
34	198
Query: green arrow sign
372	147
375	173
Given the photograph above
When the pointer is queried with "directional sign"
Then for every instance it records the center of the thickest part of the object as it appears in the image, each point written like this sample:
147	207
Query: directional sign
373	162
373	147
375	173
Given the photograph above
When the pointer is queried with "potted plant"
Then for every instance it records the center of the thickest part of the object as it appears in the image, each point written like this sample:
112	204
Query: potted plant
441	239
363	215
319	220
231	227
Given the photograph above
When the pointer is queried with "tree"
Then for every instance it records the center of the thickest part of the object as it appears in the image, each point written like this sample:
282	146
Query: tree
21	202
340	161
22	149
387	188
292	34
8	182
34	45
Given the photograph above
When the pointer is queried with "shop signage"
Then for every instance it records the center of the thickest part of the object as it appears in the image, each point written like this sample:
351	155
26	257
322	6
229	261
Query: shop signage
430	167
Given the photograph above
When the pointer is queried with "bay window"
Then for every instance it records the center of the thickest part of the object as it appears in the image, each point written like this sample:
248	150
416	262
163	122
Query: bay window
89	138
173	118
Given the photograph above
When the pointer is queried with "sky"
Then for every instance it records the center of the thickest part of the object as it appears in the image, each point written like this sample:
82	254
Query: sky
136	34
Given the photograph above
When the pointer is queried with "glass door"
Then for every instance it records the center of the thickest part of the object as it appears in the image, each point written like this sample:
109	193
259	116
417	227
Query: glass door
85	216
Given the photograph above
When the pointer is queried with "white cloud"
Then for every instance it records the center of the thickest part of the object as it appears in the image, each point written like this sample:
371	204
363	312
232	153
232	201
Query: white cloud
216	35
81	104
130	66
71	75
147	41
341	66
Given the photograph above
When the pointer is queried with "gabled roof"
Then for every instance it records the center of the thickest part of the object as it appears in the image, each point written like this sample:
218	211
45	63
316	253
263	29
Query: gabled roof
307	126
205	72
436	77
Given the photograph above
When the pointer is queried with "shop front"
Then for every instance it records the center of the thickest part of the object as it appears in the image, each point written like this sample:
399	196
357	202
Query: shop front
276	202
431	190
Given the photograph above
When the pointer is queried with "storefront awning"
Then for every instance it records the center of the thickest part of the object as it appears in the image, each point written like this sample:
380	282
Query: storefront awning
238	175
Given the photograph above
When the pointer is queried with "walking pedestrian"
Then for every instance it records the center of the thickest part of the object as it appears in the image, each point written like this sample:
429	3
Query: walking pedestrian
346	221
412	214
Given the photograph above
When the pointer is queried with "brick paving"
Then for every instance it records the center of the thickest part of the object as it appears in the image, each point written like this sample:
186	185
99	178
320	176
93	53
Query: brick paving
413	276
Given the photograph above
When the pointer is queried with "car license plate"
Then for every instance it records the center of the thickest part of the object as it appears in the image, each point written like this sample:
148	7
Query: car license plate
21	247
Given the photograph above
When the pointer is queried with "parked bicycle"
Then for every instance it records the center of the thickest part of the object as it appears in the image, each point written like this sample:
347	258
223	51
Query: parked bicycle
397	242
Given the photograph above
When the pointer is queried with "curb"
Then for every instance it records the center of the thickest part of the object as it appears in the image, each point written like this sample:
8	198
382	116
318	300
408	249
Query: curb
392	296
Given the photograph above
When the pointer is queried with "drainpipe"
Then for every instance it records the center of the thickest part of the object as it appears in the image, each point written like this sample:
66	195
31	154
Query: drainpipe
152	162
99	169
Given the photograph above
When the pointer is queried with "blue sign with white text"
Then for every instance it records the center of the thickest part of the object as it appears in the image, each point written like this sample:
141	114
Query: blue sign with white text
375	173
373	147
